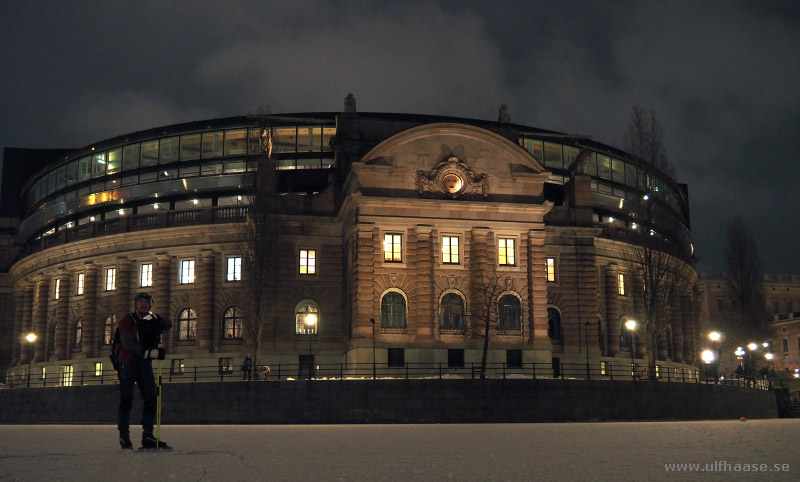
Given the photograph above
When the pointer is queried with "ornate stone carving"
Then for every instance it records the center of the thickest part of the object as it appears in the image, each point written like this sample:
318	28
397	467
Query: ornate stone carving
580	164
504	115
350	104
453	178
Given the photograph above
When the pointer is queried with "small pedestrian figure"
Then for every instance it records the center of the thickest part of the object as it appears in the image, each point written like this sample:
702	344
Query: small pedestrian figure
247	367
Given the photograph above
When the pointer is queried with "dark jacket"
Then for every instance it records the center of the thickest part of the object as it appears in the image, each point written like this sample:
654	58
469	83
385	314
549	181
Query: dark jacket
138	334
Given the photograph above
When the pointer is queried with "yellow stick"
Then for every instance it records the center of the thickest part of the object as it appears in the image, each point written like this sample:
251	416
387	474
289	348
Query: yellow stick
158	403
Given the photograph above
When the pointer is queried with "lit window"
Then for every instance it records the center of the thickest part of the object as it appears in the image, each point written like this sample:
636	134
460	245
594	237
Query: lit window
225	365
111	279
186	273
551	269
98	369
178	366
187	325
57	290
450	250
308	261
506	252
66	375
146	275
621	284
79	288
306	318
232	324
393	248
234	272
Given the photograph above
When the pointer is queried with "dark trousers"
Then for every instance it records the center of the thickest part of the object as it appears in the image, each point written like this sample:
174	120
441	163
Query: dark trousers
139	372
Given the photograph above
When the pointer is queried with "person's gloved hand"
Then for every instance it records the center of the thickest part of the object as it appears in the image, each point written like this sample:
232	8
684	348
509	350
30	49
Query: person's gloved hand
155	353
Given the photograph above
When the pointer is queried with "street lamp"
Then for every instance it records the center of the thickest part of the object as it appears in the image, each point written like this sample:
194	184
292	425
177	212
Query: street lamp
631	325
310	321
708	357
31	337
715	337
588	373
769	357
374	375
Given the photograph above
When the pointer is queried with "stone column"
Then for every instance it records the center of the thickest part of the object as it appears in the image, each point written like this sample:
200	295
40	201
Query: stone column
367	253
688	318
677	330
207	319
420	260
612	315
40	320
91	325
28	293
21	292
479	264
162	283
537	290
123	297
65	328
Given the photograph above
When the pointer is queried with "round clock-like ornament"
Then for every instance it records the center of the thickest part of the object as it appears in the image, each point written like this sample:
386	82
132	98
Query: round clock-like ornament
452	183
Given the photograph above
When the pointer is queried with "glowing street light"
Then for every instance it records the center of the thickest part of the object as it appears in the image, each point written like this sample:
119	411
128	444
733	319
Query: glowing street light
31	337
631	325
310	320
707	356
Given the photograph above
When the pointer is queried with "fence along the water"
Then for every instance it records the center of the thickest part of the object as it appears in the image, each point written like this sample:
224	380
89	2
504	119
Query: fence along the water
367	371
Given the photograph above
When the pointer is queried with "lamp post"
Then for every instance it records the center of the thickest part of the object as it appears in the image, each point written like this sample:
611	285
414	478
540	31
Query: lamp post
715	337
31	337
631	325
769	357
708	357
588	373
752	360
310	321
374	374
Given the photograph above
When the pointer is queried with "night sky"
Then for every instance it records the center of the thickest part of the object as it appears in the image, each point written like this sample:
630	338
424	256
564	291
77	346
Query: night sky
722	77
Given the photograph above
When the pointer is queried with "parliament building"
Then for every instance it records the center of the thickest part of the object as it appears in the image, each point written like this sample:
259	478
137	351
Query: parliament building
388	226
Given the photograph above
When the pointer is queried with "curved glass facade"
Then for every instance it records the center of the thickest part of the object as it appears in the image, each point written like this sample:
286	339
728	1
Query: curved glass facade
156	173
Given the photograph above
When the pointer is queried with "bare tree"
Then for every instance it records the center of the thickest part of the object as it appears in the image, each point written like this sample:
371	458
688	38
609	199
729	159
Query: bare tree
485	309
656	272
258	241
745	284
644	138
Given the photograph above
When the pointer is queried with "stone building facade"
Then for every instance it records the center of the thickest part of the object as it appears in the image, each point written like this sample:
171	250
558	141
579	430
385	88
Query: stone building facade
402	219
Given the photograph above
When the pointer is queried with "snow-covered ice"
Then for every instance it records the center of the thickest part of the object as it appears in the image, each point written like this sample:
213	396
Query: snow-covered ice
458	452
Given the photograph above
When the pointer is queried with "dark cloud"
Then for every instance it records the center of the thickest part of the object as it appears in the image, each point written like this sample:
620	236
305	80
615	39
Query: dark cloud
719	75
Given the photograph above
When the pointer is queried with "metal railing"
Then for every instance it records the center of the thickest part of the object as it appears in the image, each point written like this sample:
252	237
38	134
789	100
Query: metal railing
408	371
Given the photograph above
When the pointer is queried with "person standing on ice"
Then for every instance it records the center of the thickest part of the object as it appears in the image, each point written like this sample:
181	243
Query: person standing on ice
139	336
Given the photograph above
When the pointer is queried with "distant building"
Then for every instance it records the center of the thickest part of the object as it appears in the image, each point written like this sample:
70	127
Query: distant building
782	298
390	217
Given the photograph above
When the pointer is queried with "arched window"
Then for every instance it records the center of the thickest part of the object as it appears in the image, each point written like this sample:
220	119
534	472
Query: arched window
509	313
624	336
554	329
451	313
393	311
108	329
232	324
187	325
306	318
78	333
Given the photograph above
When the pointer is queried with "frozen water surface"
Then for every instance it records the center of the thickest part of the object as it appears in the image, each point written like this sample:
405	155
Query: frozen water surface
459	452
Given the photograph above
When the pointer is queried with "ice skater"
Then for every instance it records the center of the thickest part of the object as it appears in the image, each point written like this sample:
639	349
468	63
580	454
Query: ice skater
139	336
